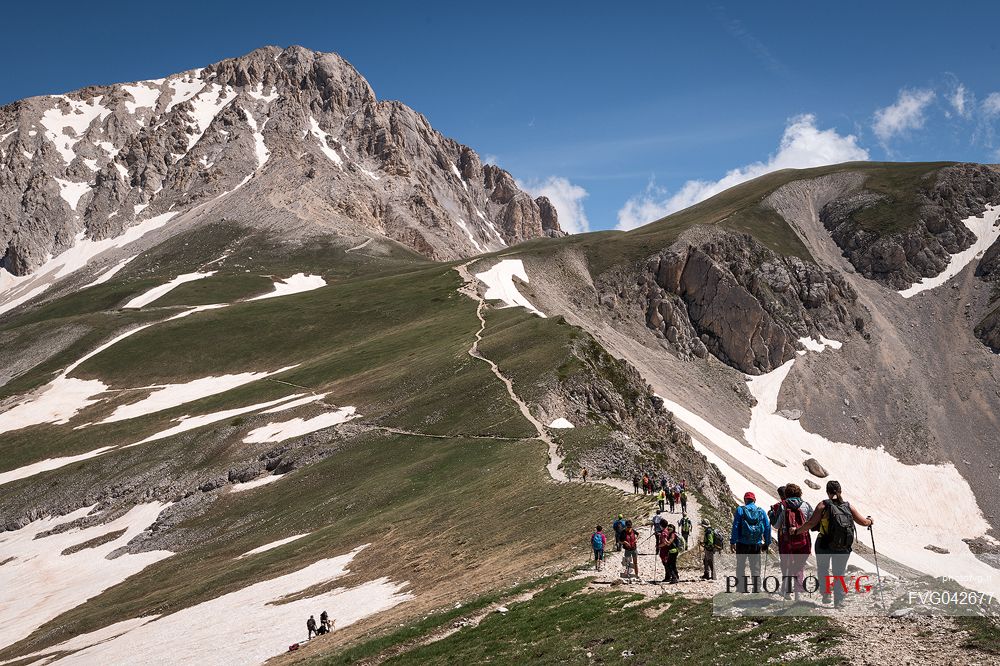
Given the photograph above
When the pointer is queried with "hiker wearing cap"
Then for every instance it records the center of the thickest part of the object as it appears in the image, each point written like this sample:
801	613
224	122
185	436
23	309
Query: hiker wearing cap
836	519
669	548
712	544
619	527
793	549
751	534
631	545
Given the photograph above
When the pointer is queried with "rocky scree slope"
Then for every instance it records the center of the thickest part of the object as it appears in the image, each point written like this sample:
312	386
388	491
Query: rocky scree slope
91	163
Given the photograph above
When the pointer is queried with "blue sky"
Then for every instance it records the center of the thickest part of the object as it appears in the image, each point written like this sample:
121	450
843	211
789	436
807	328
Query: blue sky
619	114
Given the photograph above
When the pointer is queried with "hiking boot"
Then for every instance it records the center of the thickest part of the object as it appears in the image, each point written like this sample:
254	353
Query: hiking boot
827	599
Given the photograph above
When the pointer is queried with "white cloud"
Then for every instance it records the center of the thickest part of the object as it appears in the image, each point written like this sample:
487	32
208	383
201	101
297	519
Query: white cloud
566	197
906	114
803	145
490	158
991	105
960	101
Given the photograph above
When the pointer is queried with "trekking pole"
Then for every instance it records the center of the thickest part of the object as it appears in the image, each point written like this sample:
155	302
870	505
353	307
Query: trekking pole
877	571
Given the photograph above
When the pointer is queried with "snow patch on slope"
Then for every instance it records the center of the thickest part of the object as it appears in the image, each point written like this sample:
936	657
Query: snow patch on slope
280	431
49	464
256	483
81	114
41	583
160	291
986	230
465	228
499	281
323	137
168	396
260	628
144	96
561	423
260	148
293	285
823	343
111	272
274	544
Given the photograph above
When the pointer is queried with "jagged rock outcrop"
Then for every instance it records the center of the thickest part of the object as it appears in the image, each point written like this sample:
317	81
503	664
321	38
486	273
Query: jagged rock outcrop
743	303
911	249
304	126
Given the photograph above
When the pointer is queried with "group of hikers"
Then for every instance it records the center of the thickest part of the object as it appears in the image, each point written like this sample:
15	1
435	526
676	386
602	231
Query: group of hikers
669	540
750	537
325	625
665	490
793	518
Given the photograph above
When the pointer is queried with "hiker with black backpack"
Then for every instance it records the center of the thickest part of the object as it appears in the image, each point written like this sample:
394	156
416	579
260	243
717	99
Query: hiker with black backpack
793	549
597	543
836	519
619	527
712	543
685	526
751	535
772	513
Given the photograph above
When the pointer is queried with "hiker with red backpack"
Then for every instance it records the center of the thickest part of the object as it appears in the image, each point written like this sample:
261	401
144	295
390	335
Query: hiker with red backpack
836	519
750	536
597	543
793	549
669	546
631	545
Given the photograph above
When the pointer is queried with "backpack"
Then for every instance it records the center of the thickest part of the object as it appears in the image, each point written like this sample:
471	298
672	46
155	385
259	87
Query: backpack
752	524
716	541
686	526
597	541
619	527
679	542
840	526
793	518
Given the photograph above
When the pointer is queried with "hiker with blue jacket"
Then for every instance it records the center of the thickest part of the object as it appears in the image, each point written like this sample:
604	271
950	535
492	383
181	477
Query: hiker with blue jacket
750	536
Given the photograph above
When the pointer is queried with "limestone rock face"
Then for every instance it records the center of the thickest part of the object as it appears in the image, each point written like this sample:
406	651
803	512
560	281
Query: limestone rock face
288	137
924	243
744	304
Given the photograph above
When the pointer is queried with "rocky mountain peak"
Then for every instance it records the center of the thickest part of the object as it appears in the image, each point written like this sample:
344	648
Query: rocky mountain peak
287	138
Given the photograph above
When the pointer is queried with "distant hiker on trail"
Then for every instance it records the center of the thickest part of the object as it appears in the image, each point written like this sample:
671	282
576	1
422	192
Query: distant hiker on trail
793	550
669	547
569	474
677	494
645	484
583	473
635	483
684	501
663	481
619	527
659	524
661	500
685	529
751	530
772	513
598	542
631	544
670	498
712	544
836	519
311	627
684	484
